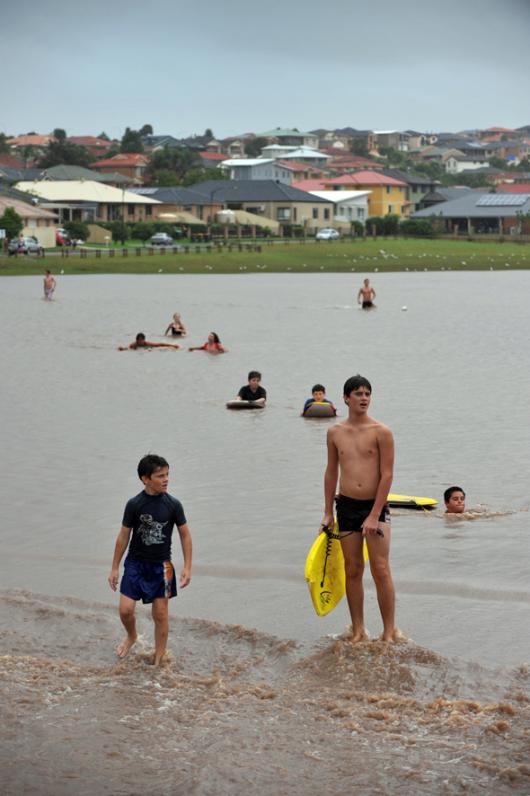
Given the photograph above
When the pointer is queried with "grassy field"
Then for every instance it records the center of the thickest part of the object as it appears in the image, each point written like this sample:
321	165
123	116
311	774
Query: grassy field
363	255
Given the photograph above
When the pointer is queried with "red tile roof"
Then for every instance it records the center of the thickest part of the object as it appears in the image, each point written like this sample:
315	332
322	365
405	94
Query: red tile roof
30	140
310	185
514	187
11	162
365	178
125	159
90	140
212	156
295	165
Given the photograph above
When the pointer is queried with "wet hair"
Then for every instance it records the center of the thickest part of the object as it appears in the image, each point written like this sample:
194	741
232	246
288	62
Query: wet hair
450	492
215	337
354	383
318	388
148	464
254	374
140	336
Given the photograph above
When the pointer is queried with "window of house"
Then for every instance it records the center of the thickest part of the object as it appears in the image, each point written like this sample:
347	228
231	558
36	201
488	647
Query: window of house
130	210
283	213
326	213
148	210
315	212
389	189
389	208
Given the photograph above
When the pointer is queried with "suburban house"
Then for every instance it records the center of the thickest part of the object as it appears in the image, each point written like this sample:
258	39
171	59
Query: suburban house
478	212
418	185
129	164
455	164
302	154
37	221
291	137
257	169
391	139
97	147
441	194
269	199
211	160
176	199
86	200
33	140
387	196
349	206
81	173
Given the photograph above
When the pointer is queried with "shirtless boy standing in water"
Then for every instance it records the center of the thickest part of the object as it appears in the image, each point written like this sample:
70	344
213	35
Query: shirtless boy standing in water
361	456
366	295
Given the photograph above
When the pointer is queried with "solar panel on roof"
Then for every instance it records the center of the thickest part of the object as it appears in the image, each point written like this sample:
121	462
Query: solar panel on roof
502	200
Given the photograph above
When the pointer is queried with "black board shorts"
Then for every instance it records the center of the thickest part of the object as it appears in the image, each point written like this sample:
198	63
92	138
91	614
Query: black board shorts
351	513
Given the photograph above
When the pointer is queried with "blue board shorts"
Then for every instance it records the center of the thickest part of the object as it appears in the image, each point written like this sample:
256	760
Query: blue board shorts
148	580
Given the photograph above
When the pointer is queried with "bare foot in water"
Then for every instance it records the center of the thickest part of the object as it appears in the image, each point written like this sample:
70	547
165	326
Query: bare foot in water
394	637
358	636
123	649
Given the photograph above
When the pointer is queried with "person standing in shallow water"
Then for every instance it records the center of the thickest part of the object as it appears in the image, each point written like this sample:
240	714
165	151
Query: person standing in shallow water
148	573
366	295
361	457
50	284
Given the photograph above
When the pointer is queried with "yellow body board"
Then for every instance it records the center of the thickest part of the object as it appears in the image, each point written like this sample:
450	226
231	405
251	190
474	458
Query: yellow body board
324	572
411	502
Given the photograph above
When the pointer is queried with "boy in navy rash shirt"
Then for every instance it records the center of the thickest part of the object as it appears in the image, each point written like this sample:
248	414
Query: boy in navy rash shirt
149	575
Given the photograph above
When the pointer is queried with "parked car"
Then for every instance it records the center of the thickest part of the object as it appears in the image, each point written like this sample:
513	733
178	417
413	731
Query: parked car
161	239
327	234
62	238
25	245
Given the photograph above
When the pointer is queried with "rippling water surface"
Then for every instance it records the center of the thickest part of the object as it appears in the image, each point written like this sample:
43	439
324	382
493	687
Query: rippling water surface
450	376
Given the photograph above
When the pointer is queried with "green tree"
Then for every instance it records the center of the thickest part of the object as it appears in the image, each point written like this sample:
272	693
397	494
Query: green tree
131	141
497	163
104	136
12	223
77	230
254	146
395	157
147	129
208	133
120	231
164	177
63	152
199	175
4	146
142	230
431	169
417	227
59	134
359	146
177	160
28	154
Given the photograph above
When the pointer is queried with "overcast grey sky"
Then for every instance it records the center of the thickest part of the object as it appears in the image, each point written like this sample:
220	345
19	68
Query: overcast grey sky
237	66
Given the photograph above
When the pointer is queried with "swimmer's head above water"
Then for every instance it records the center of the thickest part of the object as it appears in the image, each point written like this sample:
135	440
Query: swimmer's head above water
455	500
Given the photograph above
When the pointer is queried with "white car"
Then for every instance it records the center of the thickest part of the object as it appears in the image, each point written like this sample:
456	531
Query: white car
327	234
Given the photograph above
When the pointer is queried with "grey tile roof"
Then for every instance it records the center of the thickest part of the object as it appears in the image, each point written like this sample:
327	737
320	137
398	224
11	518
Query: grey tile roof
467	206
253	191
411	179
174	195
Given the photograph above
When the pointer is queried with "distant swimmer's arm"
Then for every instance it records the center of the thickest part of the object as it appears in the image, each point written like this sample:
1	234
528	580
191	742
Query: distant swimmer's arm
385	442
168	328
122	542
330	478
